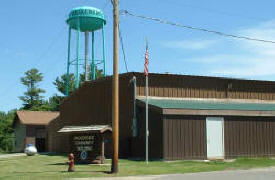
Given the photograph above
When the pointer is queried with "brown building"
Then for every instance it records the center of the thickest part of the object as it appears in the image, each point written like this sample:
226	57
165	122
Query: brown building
30	128
190	117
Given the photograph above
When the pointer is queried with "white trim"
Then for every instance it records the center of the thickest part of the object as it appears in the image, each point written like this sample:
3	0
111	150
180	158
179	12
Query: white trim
84	128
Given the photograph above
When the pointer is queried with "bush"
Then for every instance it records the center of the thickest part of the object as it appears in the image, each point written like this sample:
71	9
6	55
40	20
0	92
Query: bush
6	131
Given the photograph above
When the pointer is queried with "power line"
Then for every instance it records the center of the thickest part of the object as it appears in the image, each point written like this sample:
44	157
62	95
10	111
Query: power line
125	12
106	3
212	10
121	40
52	43
122	47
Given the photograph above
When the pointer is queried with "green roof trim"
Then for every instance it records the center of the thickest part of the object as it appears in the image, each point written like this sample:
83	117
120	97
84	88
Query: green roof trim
210	105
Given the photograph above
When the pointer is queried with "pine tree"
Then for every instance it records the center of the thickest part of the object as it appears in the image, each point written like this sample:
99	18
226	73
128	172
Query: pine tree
32	98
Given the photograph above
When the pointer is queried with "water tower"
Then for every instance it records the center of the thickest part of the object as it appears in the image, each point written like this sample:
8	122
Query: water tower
85	20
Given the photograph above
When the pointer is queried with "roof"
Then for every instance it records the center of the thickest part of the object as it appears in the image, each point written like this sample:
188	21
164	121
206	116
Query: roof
36	117
90	128
226	107
205	104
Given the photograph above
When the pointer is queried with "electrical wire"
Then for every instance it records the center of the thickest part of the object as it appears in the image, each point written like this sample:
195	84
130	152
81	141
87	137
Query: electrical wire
52	43
121	42
125	12
105	5
212	10
122	47
112	1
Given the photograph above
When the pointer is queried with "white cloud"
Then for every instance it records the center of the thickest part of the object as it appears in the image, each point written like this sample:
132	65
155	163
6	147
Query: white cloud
263	31
250	59
190	44
247	67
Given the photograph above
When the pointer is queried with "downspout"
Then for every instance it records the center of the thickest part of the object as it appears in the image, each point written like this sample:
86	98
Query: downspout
134	127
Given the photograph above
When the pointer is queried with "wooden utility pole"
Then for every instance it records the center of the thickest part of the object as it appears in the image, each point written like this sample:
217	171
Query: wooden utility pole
115	92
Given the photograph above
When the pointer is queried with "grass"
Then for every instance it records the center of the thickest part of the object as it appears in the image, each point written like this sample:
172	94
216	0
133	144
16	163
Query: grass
54	167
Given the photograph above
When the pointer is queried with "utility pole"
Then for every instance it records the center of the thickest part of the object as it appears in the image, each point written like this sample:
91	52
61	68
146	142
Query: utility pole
115	92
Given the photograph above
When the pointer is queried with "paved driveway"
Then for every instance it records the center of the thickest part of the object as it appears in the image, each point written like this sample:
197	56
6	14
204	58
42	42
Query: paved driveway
252	174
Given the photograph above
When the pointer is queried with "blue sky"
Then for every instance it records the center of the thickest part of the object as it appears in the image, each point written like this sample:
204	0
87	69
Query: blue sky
34	34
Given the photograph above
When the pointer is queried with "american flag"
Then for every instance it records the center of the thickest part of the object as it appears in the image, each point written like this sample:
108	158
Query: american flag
146	61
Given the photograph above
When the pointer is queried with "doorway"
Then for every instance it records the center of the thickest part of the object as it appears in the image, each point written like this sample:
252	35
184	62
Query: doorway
40	144
215	137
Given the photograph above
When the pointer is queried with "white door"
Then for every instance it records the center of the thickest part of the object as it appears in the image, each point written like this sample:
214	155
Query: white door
215	138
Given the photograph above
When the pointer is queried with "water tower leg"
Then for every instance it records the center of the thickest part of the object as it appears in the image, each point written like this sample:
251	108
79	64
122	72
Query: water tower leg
93	55
77	59
68	64
86	56
104	50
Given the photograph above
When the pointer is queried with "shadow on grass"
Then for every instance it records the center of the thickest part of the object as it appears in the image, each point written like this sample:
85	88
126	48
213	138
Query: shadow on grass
77	164
58	164
37	172
53	154
142	159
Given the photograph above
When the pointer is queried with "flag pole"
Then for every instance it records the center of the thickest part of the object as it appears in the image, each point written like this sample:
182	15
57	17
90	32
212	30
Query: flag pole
147	132
146	93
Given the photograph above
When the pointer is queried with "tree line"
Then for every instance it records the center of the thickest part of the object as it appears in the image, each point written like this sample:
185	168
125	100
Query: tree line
33	100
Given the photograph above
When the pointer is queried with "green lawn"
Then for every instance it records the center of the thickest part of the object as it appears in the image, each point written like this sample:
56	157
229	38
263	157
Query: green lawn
53	167
1	153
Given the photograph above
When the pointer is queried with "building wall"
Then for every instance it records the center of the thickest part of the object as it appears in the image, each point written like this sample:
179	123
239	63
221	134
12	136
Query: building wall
92	102
36	131
36	135
20	134
165	85
57	142
249	136
155	126
27	134
29	140
184	137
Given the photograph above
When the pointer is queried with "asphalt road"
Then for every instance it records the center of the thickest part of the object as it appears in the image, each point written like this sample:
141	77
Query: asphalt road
252	174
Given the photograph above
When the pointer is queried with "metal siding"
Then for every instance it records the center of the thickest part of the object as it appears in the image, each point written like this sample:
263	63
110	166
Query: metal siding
91	105
184	137
205	87
156	138
20	134
165	138
249	136
155	135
